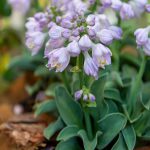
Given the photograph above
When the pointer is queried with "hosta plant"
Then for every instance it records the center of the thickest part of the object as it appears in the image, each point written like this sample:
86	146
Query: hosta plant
103	101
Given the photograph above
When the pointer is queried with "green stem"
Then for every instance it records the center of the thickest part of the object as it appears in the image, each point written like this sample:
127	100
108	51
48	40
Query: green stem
88	124
66	82
137	84
80	64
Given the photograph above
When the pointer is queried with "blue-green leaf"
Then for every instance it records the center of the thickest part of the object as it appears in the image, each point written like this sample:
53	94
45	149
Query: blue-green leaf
112	94
129	136
69	110
110	125
71	144
53	128
120	144
97	89
45	107
67	133
89	144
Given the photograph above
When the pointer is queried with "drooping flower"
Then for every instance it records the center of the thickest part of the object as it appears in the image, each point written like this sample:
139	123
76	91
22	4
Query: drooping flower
126	11
58	59
143	40
146	48
101	55
105	36
142	35
21	6
34	41
148	8
53	44
90	67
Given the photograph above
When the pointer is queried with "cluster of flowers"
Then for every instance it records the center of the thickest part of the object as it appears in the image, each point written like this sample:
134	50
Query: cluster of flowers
143	40
69	36
85	94
67	30
21	6
134	8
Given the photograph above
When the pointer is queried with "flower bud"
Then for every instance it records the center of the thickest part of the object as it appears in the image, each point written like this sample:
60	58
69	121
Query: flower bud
85	43
55	32
91	97
78	94
73	49
91	20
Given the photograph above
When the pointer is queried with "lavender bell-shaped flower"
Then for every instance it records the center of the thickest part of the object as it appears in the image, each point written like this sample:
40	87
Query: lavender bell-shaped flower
32	25
101	55
126	11
142	35
105	36
146	48
116	32
73	49
90	67
147	8
34	41
21	6
53	44
116	4
85	43
58	59
143	40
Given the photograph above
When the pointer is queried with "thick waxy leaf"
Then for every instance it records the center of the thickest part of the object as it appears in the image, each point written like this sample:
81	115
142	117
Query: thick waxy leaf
88	144
146	96
53	128
146	135
112	94
68	133
129	136
111	125
42	71
45	107
71	144
112	106
70	111
126	81
117	79
5	9
97	89
120	144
